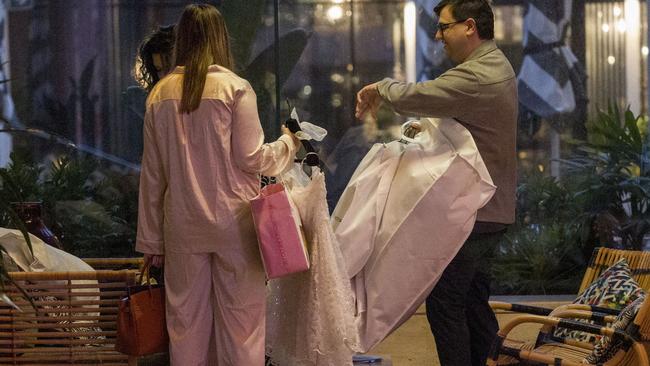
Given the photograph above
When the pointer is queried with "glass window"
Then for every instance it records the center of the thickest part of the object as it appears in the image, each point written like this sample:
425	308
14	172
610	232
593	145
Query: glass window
69	94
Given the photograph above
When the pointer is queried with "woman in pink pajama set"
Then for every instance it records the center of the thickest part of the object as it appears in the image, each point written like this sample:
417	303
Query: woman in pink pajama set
203	151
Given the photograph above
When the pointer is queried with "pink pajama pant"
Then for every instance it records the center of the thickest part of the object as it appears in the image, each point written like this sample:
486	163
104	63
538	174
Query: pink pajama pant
216	307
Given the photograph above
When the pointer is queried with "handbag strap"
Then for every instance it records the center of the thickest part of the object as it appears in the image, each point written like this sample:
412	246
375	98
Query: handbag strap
145	270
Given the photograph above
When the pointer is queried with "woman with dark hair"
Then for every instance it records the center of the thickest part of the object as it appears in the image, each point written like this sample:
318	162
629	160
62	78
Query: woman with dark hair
154	59
152	63
203	154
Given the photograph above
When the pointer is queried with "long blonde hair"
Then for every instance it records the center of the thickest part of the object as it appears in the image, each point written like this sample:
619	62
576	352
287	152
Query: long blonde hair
201	40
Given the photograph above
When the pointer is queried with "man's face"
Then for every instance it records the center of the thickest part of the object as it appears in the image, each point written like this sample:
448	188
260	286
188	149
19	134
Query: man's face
451	32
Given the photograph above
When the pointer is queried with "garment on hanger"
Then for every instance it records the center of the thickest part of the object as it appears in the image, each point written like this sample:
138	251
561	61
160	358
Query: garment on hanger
310	315
405	213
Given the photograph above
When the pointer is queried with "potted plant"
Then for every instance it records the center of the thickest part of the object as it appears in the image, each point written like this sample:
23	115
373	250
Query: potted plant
540	253
610	181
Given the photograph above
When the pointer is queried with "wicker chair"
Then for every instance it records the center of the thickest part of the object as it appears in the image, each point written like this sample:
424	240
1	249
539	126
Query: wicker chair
73	317
636	339
602	258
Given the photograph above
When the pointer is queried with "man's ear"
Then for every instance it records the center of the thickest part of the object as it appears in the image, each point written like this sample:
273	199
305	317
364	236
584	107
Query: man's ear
471	27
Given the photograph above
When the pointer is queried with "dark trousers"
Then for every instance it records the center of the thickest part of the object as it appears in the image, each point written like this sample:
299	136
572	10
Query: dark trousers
461	320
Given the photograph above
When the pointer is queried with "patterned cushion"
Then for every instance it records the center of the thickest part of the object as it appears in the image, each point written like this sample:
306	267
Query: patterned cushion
615	288
606	348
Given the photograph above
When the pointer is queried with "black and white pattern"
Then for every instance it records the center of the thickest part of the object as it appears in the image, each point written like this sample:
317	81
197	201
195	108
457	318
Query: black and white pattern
550	80
432	59
265	181
606	348
614	288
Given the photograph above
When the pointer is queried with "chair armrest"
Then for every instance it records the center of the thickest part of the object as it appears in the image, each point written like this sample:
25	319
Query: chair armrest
565	323
539	310
615	334
594	308
546	332
599	318
520	308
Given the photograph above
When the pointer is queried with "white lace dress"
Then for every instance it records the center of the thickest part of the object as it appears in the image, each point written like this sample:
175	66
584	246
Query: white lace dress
310	315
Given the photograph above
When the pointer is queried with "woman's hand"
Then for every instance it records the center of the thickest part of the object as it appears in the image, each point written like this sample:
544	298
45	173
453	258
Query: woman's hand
286	131
154	260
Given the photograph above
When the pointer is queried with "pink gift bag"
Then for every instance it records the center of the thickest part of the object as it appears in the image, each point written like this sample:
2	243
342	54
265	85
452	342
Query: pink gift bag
279	232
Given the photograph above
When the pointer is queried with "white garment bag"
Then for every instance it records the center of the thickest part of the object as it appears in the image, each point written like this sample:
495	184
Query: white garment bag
45	258
405	213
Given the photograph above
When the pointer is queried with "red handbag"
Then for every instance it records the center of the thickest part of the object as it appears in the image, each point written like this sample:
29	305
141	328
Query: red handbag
141	327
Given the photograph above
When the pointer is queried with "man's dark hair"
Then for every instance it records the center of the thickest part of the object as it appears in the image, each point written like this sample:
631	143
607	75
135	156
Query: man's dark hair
479	10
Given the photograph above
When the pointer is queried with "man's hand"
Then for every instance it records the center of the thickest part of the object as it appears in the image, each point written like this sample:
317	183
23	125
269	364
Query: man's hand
412	129
368	100
154	260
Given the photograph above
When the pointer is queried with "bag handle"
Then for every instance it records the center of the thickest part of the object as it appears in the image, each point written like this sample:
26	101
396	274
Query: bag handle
146	265
145	270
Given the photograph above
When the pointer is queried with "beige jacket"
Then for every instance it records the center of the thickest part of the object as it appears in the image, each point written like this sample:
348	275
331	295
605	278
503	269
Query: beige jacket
480	93
199	170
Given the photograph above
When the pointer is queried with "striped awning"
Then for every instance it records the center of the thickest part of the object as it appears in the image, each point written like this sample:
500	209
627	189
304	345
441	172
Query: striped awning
432	59
550	79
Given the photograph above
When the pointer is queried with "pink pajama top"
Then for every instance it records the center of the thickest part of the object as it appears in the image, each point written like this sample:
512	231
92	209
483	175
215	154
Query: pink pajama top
199	170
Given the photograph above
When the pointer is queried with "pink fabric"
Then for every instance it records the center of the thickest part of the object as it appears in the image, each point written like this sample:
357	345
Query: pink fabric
279	232
199	170
216	307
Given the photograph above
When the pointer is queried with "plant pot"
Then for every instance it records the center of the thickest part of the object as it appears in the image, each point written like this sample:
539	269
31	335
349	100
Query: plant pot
31	214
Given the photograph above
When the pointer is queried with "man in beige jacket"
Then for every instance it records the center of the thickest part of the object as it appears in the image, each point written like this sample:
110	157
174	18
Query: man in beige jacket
481	94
